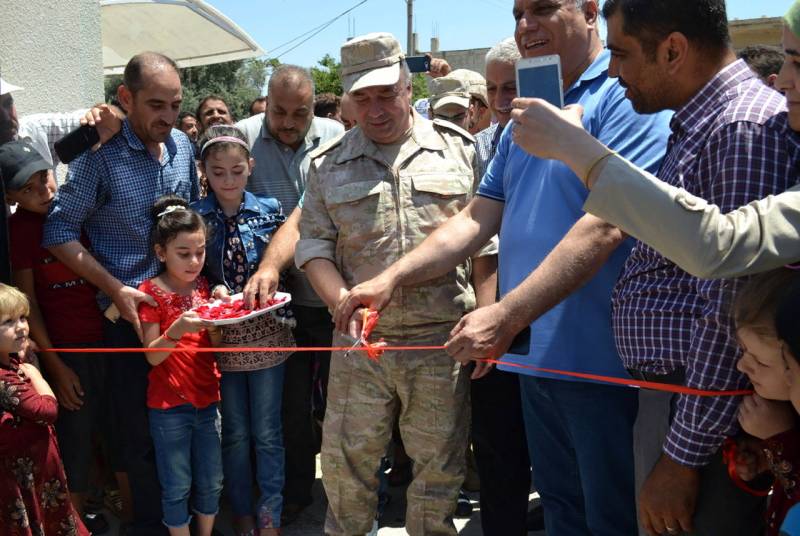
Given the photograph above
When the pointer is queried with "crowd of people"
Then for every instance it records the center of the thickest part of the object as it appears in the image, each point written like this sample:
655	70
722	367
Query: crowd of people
543	259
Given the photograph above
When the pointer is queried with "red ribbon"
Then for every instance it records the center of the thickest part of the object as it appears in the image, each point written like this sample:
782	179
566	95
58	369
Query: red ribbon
655	386
369	319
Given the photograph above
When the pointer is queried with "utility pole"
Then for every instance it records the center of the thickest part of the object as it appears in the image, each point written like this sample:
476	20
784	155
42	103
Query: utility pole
410	30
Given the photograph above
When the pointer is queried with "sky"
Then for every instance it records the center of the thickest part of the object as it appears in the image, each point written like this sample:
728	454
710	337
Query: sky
459	24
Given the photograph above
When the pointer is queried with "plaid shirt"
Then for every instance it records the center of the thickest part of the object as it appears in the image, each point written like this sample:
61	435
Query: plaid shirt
110	194
730	144
486	144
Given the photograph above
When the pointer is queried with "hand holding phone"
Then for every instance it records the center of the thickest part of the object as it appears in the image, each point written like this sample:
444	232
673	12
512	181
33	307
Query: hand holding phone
76	142
541	78
418	64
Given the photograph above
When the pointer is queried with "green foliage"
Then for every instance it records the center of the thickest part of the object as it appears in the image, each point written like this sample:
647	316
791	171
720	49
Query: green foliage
419	87
328	78
237	82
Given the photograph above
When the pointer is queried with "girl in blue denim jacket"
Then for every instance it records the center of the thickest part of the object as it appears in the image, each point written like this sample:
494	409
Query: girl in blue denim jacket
239	227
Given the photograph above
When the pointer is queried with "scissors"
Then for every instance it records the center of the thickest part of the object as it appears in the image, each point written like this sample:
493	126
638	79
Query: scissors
356	344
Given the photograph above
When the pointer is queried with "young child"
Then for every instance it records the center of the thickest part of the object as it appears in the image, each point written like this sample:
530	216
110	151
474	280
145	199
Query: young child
34	499
183	389
787	324
240	225
775	375
64	312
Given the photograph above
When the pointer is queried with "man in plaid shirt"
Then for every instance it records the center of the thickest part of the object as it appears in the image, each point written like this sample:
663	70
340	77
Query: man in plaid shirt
730	144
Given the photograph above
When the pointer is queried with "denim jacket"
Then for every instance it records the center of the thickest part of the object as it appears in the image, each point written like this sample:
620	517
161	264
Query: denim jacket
258	218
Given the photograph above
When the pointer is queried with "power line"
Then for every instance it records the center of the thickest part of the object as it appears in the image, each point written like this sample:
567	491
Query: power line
314	31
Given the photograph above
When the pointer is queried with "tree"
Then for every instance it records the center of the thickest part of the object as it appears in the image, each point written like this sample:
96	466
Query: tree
419	87
327	79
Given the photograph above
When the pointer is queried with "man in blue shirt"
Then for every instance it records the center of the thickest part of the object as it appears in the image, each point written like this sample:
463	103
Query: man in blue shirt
557	267
109	196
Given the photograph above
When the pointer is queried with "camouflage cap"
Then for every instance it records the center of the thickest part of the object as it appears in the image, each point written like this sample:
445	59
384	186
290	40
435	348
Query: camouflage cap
371	60
449	90
476	83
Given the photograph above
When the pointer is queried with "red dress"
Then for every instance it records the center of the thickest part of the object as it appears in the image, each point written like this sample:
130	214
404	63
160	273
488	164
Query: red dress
34	499
183	377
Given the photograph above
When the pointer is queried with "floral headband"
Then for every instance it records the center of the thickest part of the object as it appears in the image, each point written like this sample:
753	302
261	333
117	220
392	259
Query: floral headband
220	139
170	209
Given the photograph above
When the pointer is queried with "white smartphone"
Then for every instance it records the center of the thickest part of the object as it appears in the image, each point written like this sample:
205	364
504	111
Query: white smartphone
541	78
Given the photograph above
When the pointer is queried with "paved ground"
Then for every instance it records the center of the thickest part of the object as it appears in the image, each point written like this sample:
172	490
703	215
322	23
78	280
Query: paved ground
311	520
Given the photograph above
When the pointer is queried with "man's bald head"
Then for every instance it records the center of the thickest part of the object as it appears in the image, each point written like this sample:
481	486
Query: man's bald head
290	76
290	104
143	65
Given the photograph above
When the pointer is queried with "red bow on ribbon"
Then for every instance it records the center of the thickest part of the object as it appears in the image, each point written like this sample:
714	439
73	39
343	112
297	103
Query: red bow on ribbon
369	319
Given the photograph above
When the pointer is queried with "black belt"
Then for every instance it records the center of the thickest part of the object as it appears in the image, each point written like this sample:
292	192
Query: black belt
676	377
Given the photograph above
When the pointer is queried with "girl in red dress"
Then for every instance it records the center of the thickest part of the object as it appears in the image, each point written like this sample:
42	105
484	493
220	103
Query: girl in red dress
183	389
34	499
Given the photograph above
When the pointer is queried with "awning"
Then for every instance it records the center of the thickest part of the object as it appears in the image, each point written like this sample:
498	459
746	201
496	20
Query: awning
189	31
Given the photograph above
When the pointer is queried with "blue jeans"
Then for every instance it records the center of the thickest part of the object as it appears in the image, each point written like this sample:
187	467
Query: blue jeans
580	440
251	413
188	452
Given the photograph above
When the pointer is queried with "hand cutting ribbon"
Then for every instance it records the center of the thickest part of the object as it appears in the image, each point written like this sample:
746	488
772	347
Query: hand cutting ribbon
369	319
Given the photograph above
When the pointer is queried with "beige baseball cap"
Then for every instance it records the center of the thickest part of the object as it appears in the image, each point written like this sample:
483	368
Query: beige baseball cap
5	87
448	90
476	83
371	60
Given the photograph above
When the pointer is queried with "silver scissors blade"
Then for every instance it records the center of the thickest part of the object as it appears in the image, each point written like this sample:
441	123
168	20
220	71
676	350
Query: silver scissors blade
355	345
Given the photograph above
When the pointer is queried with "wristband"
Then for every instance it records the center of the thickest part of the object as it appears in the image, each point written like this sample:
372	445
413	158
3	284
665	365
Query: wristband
594	165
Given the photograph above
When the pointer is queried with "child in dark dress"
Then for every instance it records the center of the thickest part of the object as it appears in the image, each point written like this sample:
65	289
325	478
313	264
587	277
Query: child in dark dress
34	499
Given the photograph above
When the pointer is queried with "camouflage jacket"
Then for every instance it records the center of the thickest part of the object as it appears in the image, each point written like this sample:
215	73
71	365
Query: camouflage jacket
363	214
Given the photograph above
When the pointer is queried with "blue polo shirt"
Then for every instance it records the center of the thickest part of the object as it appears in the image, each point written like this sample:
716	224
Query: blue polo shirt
543	200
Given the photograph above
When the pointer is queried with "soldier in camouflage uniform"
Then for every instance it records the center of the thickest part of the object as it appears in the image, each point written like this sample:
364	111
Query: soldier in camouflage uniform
372	195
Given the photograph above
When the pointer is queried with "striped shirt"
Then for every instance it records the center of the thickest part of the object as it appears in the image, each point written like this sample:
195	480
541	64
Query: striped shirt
730	144
486	144
110	193
280	171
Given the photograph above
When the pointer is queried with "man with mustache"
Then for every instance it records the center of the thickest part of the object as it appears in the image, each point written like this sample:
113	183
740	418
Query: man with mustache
280	142
213	110
109	196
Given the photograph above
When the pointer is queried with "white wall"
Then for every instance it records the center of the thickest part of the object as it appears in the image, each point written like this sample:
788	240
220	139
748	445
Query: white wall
53	49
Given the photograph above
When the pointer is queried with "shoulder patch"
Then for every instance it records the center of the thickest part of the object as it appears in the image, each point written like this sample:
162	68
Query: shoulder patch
327	146
447	125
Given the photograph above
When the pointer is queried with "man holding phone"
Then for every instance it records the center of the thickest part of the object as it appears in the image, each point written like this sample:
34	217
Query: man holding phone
109	196
557	269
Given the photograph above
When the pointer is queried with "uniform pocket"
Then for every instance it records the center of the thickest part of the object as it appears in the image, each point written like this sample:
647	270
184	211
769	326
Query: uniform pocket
358	209
438	197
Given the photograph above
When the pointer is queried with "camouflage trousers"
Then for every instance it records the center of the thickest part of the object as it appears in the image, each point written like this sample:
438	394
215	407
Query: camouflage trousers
429	393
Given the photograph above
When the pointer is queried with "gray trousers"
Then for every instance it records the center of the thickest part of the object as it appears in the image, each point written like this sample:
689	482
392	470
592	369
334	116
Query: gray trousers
722	508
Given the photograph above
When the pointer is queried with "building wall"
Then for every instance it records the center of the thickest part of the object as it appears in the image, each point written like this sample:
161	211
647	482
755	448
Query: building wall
472	59
763	31
53	49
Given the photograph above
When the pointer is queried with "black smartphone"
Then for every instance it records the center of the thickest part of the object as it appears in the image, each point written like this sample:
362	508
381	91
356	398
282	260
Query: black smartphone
521	345
76	142
418	64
